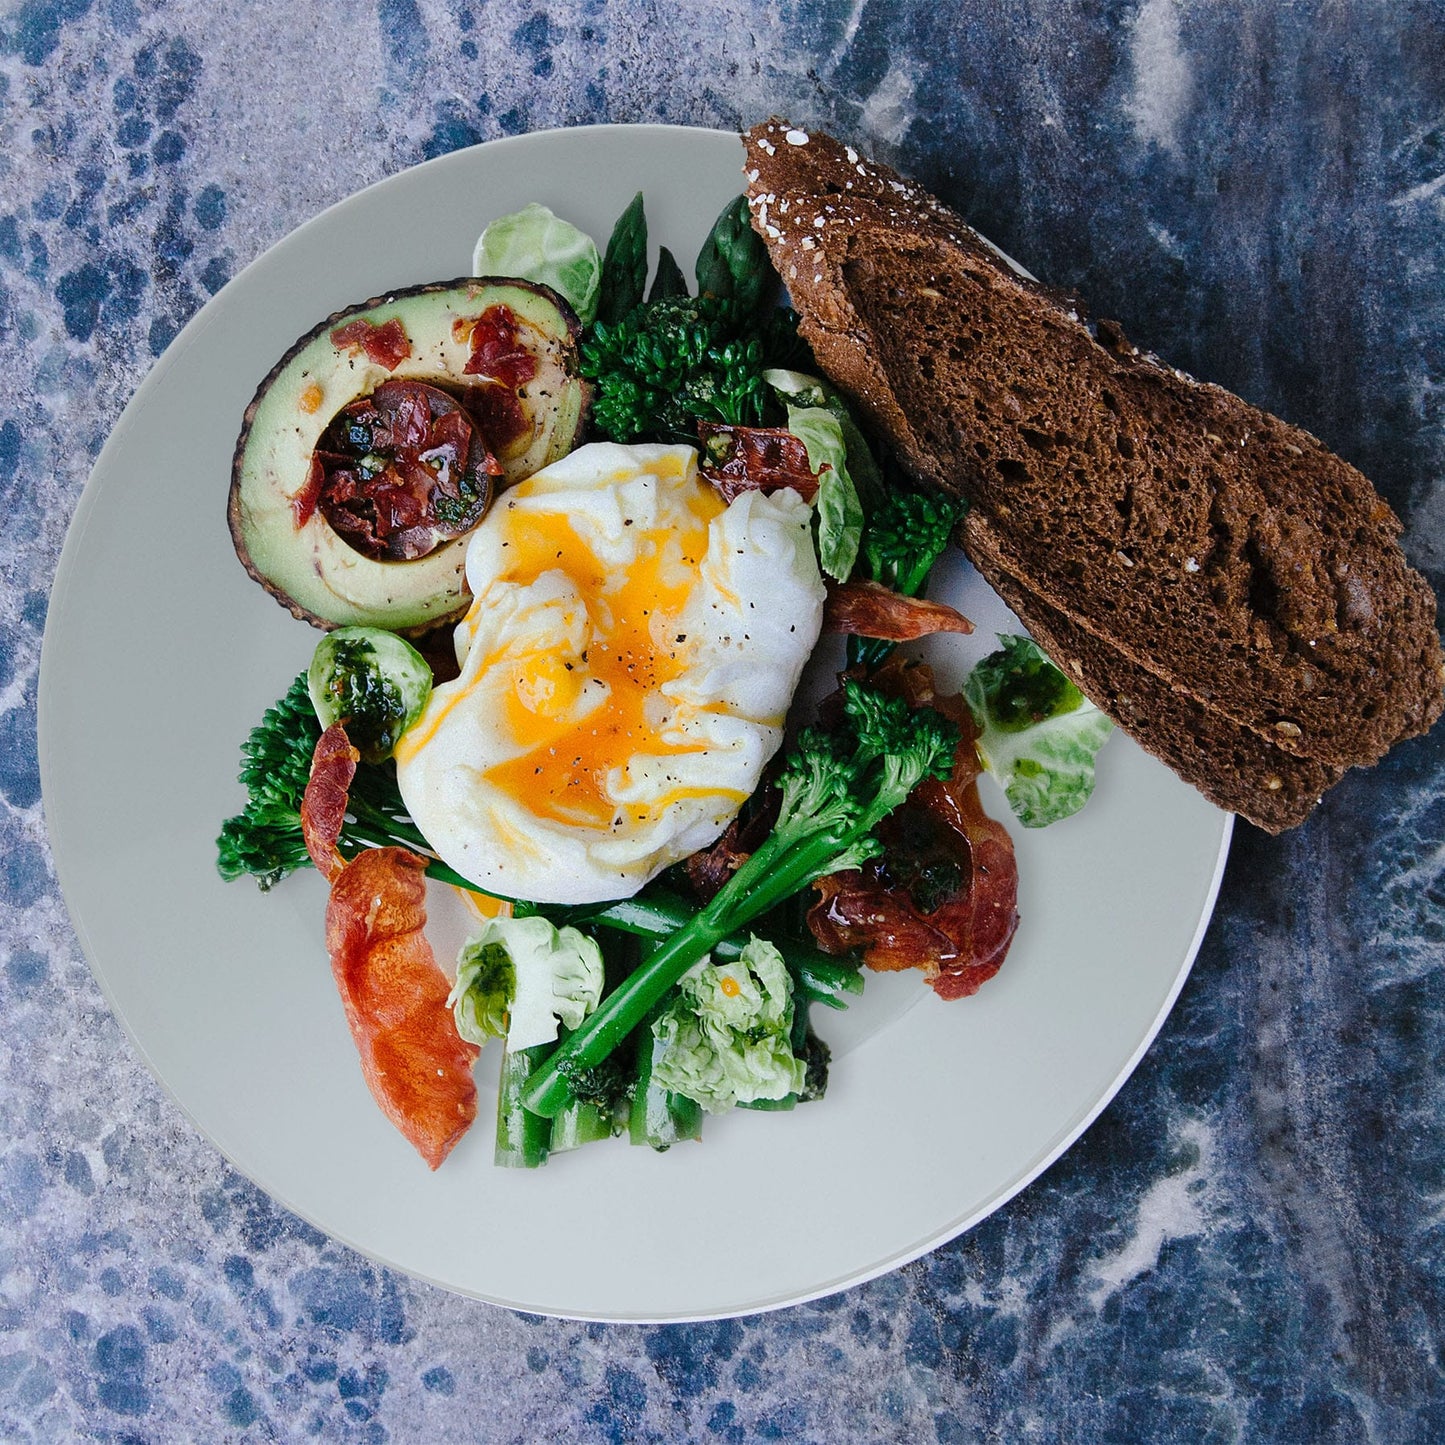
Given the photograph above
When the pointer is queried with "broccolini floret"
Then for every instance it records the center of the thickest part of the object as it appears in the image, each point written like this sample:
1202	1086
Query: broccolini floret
672	362
837	786
265	839
905	534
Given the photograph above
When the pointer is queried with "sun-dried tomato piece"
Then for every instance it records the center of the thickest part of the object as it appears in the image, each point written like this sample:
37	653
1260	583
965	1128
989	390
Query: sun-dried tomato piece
737	459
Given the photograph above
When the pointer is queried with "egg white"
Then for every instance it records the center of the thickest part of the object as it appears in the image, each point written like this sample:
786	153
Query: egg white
619	701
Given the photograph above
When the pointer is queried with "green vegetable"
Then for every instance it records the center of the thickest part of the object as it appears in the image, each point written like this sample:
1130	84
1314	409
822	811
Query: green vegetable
668	280
264	840
520	977
600	1107
658	1117
624	265
373	682
580	1124
907	532
839	511
836	788
733	263
533	244
799	388
523	1139
1038	733
727	1034
669	363
655	913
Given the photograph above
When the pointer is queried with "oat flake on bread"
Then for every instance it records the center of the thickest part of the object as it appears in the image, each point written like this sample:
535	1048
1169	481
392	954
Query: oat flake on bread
1228	590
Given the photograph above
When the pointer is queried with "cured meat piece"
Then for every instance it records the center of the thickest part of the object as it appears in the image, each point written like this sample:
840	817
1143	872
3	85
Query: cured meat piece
323	805
869	609
503	365
419	1070
387	345
943	896
395	995
403	471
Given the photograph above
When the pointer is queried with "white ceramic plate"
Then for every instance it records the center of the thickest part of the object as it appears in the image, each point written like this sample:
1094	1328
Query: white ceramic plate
160	653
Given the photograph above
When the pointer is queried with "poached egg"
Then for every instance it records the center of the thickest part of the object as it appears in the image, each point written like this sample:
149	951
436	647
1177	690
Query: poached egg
626	665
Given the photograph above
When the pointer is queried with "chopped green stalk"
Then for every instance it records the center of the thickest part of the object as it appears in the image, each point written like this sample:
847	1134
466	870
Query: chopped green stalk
522	1137
823	980
668	280
658	1118
733	262
624	264
770	1106
835	792
581	1123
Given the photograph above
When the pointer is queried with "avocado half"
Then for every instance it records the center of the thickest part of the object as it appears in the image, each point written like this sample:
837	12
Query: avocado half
284	539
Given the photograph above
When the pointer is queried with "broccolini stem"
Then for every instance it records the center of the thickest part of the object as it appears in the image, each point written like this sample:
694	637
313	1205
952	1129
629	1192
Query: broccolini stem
658	1118
778	869
656	914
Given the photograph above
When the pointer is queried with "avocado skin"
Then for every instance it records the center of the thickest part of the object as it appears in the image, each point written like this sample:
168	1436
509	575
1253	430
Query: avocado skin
308	568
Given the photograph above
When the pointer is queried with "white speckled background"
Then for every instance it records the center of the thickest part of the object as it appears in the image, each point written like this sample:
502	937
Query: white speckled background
1247	1245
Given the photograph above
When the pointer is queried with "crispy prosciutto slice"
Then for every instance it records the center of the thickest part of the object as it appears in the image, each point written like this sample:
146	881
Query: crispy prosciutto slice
869	609
323	805
395	996
386	344
943	896
502	366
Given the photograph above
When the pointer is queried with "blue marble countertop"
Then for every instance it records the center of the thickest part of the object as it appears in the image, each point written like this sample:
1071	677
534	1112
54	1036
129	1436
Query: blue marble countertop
1248	1244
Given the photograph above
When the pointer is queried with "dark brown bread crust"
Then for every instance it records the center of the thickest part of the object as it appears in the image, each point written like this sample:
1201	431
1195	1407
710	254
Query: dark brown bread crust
1210	553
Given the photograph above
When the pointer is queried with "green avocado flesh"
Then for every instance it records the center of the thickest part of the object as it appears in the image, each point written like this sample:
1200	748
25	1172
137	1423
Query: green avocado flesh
290	548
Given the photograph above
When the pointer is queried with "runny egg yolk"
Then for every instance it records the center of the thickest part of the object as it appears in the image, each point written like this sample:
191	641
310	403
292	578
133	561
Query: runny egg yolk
636	647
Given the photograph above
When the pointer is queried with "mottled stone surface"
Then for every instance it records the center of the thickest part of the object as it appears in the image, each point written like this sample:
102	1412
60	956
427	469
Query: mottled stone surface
1247	1246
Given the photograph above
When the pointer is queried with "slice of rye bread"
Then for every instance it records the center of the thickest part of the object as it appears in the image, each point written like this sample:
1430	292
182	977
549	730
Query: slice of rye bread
1226	552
